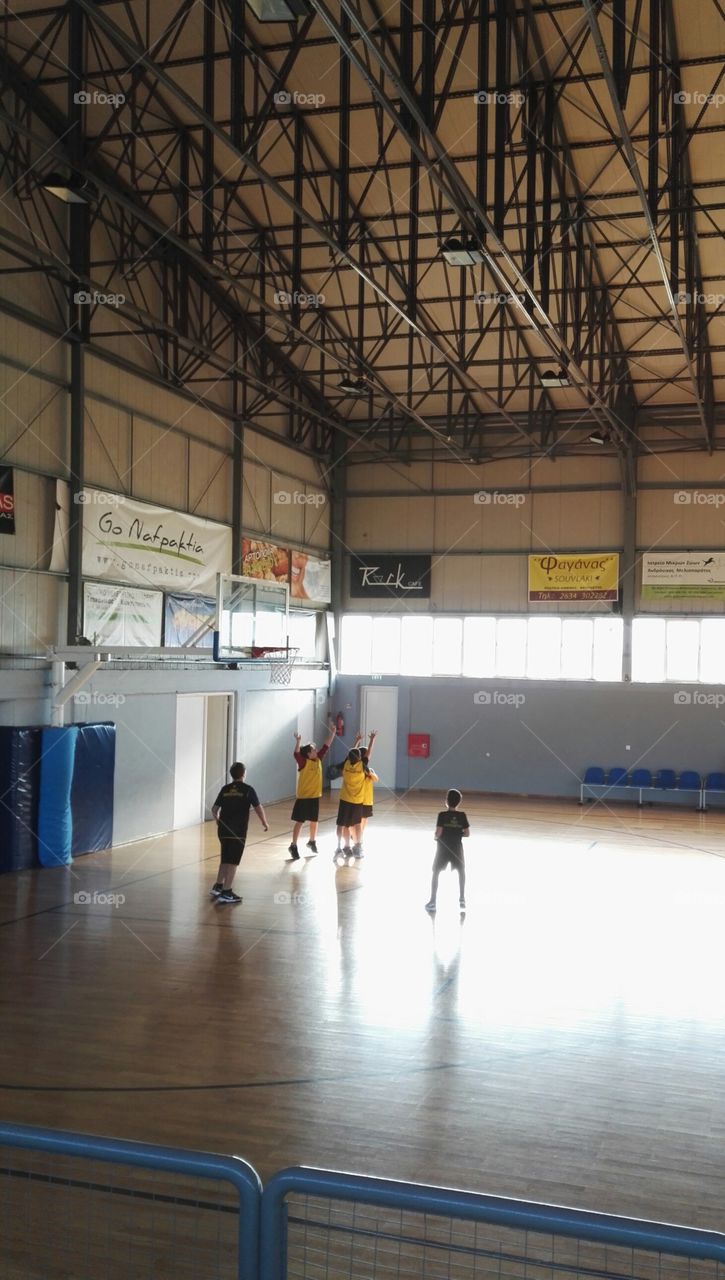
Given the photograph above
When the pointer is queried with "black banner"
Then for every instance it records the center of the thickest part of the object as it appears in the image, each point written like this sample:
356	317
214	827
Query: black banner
374	577
7	501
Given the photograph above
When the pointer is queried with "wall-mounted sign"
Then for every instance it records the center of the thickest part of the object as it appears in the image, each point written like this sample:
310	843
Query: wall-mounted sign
374	577
184	619
122	616
129	541
574	577
683	575
7	501
265	560
310	578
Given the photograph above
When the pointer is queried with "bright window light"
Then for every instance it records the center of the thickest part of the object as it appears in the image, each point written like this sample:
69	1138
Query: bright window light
511	648
543	659
577	643
683	649
416	646
303	632
479	647
356	635
447	646
712	650
608	646
386	646
648	650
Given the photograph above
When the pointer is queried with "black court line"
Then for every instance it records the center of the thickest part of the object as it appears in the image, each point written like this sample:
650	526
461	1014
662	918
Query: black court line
156	1197
393	1073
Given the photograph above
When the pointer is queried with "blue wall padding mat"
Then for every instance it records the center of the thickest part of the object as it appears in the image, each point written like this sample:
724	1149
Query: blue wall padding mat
19	774
92	790
55	820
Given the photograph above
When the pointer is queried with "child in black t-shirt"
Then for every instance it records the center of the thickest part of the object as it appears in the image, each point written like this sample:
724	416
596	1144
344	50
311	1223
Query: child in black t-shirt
451	828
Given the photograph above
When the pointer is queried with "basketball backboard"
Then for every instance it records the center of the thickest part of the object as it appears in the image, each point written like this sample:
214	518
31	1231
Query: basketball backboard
251	614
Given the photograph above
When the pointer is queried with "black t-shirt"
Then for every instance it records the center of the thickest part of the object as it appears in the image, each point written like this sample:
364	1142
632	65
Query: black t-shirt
453	822
234	802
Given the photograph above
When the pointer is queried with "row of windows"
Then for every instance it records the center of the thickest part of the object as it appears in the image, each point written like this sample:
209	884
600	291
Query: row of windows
533	648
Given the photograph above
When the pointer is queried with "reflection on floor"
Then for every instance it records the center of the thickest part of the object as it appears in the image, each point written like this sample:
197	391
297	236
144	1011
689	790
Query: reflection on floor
562	1041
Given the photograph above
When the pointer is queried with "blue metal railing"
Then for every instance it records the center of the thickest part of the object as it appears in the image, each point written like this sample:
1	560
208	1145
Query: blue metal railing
322	1224
522	1216
139	1155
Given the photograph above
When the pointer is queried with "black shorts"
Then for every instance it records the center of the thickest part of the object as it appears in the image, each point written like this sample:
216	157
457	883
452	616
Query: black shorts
349	815
446	857
367	811
232	849
306	810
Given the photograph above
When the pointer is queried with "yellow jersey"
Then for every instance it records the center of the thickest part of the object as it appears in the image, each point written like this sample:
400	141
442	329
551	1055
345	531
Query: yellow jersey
309	780
353	783
370	779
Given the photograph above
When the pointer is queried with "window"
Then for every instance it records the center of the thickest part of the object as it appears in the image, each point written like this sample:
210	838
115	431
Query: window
712	650
683	649
608	646
511	648
416	646
303	632
386	646
543	659
577	645
355	644
648	649
479	647
447	644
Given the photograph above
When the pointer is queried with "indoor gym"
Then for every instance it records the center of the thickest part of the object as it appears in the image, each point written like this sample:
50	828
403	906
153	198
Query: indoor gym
363	369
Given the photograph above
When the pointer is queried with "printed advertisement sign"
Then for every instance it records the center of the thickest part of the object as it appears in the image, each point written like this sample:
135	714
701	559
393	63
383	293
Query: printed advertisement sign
129	541
574	577
375	577
7	501
311	579
122	616
184	616
265	560
684	575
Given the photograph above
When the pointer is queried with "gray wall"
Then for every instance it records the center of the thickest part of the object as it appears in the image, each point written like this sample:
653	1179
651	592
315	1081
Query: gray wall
542	746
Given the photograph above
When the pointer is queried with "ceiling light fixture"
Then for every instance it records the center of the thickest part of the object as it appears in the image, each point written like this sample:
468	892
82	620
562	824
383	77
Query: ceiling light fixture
278	10
71	188
555	378
352	386
598	437
459	253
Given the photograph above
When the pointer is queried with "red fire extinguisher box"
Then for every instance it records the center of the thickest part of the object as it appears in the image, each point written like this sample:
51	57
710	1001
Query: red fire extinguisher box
419	745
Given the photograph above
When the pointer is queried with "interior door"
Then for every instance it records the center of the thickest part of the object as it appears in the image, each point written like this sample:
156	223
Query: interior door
379	710
189	760
216	755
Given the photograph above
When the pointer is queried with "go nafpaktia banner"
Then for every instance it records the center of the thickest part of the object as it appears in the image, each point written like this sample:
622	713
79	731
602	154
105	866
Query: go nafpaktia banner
129	541
684	575
574	577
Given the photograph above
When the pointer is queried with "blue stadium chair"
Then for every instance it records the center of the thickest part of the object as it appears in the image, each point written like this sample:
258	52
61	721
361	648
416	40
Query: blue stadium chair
691	781
714	782
617	777
666	779
641	779
593	777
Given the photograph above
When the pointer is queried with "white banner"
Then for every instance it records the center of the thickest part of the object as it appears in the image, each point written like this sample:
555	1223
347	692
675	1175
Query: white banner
683	574
129	541
122	615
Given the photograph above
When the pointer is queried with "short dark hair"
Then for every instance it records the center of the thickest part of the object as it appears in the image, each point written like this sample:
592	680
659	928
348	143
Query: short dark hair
364	755
353	756
453	798
238	770
305	751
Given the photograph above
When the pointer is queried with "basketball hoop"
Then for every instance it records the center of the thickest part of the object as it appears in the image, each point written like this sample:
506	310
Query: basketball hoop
281	662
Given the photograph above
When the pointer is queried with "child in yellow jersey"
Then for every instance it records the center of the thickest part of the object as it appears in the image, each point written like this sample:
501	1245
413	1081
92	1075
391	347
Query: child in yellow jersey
309	789
353	798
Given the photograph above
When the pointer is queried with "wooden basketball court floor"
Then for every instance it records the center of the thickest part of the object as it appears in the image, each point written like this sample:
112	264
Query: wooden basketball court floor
564	1041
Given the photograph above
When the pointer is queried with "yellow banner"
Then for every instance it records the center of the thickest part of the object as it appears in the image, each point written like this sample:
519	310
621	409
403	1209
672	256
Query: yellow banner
574	577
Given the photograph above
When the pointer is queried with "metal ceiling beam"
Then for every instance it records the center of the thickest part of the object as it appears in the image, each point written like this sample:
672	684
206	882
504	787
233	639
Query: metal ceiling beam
626	147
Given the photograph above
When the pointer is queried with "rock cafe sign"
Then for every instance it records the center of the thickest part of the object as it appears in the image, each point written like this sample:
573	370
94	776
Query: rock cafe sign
378	577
